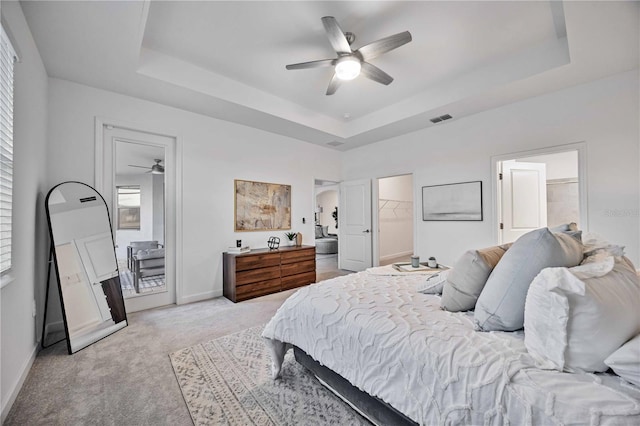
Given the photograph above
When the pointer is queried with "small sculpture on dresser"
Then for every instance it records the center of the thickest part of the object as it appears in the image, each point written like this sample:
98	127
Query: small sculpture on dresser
273	243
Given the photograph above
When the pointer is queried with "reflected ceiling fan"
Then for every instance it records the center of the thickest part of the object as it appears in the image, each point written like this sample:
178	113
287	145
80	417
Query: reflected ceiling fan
351	63
156	169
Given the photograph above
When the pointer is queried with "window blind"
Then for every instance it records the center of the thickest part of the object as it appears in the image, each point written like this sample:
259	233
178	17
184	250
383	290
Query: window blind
7	59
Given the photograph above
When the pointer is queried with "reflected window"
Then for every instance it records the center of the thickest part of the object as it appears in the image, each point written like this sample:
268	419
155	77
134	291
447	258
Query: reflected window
128	207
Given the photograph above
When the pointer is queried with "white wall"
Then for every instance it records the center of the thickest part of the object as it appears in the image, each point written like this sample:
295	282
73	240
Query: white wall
562	165
395	219
214	153
19	332
158	208
604	114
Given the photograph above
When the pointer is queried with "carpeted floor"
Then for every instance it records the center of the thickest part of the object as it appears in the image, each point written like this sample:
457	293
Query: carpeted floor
127	378
227	381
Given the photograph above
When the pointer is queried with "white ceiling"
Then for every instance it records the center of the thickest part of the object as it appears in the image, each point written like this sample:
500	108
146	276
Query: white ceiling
227	59
130	153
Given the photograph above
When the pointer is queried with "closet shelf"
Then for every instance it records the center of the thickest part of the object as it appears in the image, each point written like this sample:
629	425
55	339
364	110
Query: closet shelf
395	206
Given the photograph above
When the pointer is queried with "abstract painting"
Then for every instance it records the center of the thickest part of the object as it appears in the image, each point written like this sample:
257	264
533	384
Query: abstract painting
261	206
454	201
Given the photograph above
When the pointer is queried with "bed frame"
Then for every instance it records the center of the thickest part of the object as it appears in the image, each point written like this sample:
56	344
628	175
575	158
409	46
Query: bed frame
373	409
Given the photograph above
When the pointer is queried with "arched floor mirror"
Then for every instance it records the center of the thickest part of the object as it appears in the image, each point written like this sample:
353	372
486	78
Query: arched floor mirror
85	264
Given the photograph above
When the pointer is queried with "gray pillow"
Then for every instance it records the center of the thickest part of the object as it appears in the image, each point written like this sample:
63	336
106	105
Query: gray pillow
468	277
325	231
501	303
318	231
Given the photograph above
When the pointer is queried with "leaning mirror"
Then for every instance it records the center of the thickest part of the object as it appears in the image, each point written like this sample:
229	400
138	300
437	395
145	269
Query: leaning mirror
85	264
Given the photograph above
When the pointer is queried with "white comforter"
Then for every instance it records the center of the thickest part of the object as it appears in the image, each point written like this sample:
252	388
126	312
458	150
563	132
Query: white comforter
398	345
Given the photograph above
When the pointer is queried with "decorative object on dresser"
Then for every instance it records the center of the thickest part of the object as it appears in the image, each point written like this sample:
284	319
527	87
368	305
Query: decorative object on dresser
273	243
298	239
265	271
291	237
452	202
261	206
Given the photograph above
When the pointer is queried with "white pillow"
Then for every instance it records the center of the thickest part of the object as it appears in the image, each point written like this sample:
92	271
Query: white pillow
575	318
434	283
626	361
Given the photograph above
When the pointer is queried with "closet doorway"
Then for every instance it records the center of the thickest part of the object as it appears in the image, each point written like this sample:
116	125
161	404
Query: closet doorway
544	188
395	219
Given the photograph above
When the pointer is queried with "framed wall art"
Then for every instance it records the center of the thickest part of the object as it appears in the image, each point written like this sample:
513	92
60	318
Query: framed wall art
454	201
261	206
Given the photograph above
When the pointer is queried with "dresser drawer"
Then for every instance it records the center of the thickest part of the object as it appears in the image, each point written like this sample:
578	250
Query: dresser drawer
260	287
255	275
253	261
299	267
298	280
298	255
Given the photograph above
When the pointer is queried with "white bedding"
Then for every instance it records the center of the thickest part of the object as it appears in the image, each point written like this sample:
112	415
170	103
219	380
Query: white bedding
398	345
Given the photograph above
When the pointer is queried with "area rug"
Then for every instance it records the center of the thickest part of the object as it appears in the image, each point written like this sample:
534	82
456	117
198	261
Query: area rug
146	284
227	382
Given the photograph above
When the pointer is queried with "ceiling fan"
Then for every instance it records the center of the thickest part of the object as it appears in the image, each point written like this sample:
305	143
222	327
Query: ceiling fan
351	63
156	169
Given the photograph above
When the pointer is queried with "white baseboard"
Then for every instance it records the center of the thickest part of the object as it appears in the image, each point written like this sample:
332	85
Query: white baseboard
391	256
13	394
199	296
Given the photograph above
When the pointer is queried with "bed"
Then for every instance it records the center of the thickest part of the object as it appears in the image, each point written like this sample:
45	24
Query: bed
429	365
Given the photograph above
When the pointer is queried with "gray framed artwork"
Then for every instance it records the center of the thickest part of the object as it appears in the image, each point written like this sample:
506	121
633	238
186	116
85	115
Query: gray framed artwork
261	206
452	202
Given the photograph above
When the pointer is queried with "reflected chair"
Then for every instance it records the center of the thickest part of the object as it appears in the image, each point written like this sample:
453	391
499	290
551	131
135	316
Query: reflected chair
147	263
134	246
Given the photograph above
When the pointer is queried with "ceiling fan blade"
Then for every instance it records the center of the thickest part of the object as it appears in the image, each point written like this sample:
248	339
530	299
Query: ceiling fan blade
333	85
313	64
142	167
376	74
378	47
336	35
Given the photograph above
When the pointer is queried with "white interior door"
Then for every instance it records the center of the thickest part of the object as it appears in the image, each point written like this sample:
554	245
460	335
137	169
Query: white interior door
99	263
524	198
354	225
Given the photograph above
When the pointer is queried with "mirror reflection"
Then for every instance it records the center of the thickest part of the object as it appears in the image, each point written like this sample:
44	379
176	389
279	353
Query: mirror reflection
86	266
139	217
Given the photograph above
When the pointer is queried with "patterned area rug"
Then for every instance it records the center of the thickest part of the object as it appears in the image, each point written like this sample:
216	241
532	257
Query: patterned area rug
147	283
227	382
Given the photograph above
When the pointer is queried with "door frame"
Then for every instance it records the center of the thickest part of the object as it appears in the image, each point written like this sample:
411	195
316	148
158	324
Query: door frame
375	215
580	147
174	192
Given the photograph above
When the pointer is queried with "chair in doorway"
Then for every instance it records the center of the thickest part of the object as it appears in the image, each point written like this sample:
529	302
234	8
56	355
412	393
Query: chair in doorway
135	246
147	263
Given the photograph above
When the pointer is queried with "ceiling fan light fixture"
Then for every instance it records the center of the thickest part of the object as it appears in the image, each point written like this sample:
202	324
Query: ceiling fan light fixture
348	68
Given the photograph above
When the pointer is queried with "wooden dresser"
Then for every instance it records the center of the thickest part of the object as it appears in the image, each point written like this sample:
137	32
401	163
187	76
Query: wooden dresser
264	271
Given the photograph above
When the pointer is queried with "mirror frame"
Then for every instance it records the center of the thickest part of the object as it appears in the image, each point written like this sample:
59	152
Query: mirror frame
54	255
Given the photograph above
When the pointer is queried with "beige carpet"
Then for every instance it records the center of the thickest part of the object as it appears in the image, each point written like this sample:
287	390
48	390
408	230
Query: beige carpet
227	382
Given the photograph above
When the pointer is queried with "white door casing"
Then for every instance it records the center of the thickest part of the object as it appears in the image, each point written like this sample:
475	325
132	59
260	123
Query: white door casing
105	184
354	225
524	198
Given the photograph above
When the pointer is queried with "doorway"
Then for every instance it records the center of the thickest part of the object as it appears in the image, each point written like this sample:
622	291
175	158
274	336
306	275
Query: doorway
139	186
139	209
539	189
326	202
395	219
